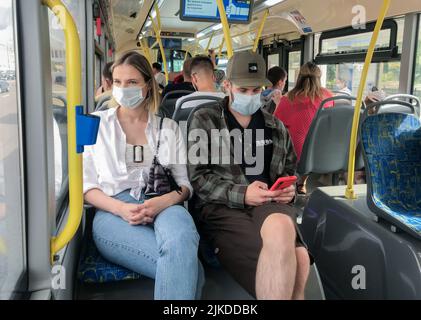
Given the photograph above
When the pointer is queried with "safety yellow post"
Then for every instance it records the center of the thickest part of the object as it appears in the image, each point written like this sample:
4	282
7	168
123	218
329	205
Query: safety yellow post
74	97
186	55
225	27
350	193
221	47
209	43
157	30
146	50
259	33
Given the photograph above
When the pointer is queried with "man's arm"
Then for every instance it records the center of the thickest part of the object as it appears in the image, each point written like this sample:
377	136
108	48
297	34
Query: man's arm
207	183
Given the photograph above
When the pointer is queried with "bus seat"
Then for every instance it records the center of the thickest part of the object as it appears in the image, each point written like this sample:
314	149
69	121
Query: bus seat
167	107
326	147
95	269
392	151
181	114
409	98
390	106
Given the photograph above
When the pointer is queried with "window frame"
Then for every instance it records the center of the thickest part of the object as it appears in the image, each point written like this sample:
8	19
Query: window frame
382	55
417	42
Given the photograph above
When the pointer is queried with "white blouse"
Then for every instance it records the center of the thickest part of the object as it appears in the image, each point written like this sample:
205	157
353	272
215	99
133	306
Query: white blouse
105	165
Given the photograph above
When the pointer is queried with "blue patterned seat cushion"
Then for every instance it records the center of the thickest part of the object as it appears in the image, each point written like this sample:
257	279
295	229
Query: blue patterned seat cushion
93	268
392	143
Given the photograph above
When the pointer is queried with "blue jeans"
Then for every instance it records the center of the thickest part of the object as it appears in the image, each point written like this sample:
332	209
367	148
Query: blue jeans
165	250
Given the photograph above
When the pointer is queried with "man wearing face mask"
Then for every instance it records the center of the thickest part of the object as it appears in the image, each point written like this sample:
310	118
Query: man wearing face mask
252	229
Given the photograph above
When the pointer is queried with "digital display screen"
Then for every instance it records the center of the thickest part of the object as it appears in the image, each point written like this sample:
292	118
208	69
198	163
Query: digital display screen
167	43
238	11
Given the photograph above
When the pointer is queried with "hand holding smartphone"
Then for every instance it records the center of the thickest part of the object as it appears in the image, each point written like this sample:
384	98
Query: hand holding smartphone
284	182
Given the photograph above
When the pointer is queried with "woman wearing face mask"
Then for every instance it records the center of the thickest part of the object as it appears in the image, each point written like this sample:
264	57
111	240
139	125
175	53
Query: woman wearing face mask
298	108
154	237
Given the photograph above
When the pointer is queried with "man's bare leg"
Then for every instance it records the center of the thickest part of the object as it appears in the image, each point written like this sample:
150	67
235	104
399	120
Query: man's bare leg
303	270
277	265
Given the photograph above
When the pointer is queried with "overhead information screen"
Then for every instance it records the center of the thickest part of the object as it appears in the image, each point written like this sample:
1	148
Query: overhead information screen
238	11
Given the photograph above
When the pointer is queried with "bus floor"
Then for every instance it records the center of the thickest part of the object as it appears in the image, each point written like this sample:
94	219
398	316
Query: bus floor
219	286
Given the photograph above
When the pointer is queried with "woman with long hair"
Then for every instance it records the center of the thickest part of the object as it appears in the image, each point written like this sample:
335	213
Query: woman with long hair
153	236
298	108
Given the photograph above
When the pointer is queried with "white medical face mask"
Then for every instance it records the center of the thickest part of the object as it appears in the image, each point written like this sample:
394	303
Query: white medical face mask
245	104
129	98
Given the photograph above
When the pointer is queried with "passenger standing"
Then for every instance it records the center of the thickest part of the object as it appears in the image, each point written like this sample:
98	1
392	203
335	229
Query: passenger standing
272	96
298	108
252	229
153	236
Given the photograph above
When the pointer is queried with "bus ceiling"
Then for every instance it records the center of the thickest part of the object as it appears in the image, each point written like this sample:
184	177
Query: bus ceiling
288	19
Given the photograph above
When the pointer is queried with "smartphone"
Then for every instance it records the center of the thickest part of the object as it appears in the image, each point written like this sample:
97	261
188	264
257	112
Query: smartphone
284	182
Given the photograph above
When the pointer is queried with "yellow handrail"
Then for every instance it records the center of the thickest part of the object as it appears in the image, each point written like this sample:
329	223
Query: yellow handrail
209	42
146	50
259	33
349	193
221	47
157	30
225	27
74	97
186	55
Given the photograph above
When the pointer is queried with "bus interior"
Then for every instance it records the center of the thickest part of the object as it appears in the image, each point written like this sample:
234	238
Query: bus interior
369	230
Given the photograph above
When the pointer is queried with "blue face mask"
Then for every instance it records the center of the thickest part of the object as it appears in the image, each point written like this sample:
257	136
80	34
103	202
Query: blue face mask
245	104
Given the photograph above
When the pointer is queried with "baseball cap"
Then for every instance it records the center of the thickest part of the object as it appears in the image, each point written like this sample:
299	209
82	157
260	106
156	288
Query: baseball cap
247	69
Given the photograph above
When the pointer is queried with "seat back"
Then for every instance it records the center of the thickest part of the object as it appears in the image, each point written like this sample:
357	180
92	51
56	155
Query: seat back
167	107
392	151
182	114
415	101
389	106
326	148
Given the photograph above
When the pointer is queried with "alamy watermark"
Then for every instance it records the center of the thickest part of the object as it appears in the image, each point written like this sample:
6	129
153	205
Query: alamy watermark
359	280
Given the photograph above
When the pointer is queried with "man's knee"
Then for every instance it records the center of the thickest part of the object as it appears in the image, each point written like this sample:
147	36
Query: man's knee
278	228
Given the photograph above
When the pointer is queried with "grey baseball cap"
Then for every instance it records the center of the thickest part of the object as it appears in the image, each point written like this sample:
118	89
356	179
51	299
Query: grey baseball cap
247	69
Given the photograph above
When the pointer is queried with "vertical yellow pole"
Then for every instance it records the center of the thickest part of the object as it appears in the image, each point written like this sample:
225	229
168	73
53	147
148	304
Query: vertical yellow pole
350	193
186	55
209	43
259	33
221	47
146	50
226	28
74	98
157	30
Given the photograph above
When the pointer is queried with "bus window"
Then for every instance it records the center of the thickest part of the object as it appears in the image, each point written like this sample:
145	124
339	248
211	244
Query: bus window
273	60
58	70
417	85
383	75
12	234
294	65
59	93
